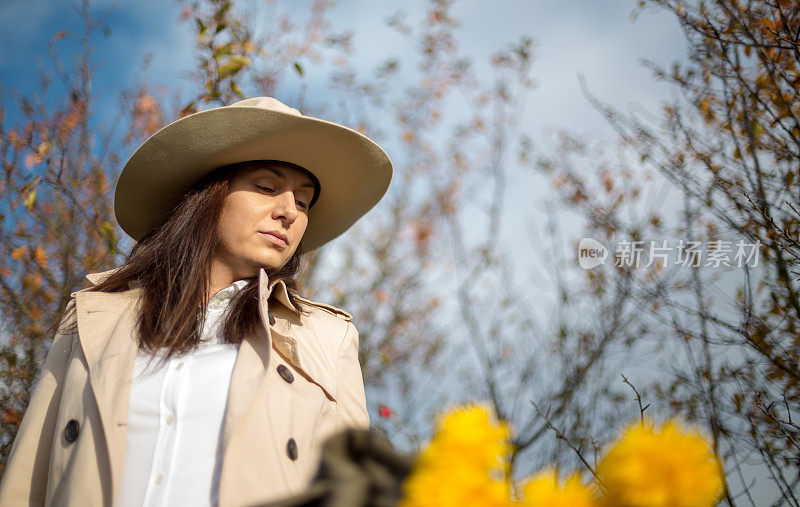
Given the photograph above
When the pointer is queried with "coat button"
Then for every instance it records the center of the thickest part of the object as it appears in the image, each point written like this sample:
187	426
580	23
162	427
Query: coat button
284	372
271	319
71	430
291	449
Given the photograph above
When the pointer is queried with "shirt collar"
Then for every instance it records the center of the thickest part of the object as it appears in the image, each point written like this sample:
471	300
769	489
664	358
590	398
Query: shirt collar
223	296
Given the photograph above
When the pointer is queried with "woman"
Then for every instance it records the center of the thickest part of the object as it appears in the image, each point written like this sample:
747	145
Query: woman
194	374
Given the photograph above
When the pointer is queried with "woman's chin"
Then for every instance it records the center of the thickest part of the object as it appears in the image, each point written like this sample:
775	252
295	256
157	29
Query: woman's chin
272	260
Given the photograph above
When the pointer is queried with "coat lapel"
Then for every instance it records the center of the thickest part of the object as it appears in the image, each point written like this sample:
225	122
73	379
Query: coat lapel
252	360
106	329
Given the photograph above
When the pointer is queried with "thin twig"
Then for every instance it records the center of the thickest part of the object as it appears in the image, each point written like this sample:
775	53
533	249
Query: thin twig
560	435
638	399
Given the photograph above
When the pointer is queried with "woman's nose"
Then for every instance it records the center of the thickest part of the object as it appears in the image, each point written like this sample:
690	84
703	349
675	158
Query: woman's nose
285	207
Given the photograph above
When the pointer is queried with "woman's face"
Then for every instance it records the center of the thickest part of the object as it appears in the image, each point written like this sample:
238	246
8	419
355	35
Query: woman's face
266	200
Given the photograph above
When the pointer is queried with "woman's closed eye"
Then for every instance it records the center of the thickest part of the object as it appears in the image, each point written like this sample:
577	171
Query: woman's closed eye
268	189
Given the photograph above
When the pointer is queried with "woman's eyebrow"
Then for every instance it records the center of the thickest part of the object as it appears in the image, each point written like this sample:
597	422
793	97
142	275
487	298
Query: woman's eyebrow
283	177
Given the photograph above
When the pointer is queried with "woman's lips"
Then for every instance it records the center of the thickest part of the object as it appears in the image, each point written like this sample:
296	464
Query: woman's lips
275	240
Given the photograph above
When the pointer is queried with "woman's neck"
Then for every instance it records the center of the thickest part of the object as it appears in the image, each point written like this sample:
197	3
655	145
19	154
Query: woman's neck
222	275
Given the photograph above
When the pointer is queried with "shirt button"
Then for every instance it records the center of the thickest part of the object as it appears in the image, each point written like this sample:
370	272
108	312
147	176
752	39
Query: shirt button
180	365
159	479
271	319
170	419
284	372
291	449
71	430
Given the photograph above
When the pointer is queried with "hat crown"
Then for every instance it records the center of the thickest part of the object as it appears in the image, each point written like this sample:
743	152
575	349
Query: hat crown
267	103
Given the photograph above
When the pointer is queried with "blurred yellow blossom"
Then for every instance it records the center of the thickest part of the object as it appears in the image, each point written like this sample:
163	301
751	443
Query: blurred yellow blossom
543	490
464	464
669	467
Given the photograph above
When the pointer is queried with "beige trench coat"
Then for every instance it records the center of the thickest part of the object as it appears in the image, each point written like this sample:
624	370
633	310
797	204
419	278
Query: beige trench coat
87	377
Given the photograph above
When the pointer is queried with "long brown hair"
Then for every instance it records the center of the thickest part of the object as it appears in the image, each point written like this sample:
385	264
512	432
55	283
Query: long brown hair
172	265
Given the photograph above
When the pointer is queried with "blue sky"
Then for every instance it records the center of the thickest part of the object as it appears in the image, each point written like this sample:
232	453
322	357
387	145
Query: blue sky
596	39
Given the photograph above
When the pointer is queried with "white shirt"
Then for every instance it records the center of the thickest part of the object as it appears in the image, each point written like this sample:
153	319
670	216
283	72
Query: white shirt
173	454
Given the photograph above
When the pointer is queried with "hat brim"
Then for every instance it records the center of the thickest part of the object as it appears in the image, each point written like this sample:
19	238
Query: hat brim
353	171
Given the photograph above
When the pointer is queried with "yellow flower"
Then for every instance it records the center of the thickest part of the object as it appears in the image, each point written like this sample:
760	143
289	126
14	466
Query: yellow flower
543	490
454	488
469	436
463	465
661	468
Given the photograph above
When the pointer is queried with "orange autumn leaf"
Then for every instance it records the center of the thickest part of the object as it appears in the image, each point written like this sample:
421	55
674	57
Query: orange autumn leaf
70	122
382	295
422	233
32	281
41	257
147	115
17	253
32	159
11	416
13	138
36	313
147	104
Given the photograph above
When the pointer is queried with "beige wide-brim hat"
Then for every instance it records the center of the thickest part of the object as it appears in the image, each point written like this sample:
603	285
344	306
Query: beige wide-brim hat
353	171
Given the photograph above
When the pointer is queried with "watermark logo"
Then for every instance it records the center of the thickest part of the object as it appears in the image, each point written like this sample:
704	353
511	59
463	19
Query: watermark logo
635	254
591	253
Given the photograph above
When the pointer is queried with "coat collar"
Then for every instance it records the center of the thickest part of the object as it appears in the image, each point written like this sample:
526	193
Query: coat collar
278	287
281	337
107	328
